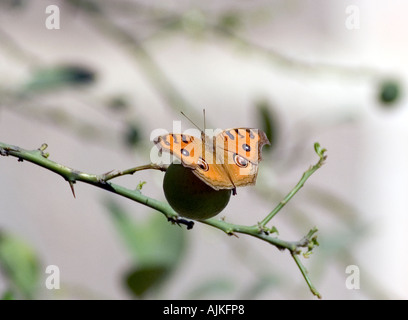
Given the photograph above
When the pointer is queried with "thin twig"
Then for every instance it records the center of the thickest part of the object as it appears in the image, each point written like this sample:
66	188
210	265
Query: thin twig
299	185
305	275
117	173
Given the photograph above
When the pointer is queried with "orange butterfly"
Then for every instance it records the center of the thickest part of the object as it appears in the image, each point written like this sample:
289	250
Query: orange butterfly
225	161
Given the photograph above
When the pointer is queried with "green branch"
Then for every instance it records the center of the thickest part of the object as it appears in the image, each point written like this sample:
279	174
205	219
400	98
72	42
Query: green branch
259	230
322	157
40	157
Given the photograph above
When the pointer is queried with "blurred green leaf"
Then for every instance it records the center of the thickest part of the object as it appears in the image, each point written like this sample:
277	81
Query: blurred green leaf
211	287
140	279
194	22
20	264
268	123
60	76
132	135
118	103
261	284
7	295
230	20
15	3
389	92
152	241
156	246
85	5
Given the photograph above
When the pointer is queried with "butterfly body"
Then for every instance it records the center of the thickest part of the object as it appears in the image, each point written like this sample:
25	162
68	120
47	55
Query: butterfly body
226	160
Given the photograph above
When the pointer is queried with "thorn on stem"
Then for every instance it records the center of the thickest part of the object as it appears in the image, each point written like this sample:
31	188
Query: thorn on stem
71	185
232	233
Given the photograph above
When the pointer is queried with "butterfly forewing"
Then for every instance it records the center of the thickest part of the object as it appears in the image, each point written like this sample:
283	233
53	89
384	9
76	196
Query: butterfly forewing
186	148
244	142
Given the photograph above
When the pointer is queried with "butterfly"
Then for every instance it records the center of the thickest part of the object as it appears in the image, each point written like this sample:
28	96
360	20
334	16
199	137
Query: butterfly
226	160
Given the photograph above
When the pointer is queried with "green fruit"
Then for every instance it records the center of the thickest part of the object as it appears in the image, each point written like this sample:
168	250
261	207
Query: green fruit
190	197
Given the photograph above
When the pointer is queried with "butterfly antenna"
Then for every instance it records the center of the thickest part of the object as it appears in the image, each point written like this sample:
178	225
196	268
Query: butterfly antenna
191	121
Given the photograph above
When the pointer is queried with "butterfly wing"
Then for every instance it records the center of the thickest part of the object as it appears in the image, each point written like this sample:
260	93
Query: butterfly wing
227	161
203	158
211	168
245	142
186	148
242	152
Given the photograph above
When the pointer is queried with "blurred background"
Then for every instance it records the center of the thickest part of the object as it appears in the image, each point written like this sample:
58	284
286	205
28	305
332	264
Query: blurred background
96	82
